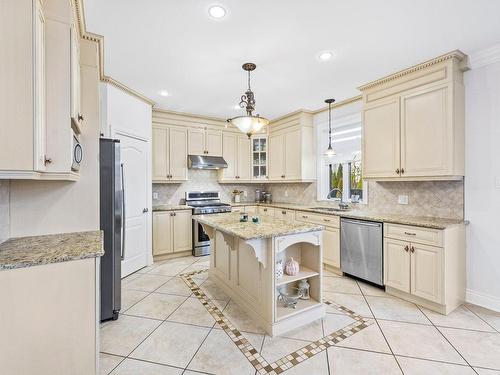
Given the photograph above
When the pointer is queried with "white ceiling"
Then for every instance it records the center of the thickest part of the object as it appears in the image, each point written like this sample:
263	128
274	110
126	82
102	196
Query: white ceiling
174	45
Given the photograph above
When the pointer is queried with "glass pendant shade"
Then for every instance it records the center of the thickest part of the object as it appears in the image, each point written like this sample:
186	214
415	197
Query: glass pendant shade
330	152
249	124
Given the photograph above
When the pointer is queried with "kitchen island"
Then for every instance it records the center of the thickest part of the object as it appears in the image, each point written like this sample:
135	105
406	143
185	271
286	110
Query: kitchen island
244	260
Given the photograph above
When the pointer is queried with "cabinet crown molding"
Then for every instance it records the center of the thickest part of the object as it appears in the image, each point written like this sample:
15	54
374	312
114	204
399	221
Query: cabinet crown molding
456	55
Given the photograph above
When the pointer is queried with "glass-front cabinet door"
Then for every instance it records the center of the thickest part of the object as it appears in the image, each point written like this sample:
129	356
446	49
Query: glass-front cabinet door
259	157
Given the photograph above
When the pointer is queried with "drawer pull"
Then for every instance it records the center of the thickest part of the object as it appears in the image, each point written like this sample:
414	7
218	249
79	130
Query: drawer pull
305	216
265	209
410	234
412	249
327	220
283	212
406	248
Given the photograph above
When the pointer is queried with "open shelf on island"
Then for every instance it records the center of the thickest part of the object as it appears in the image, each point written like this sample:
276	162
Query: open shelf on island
304	273
283	312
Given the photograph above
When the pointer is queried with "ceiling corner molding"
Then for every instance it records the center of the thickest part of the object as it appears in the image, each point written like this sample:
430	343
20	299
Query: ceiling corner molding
99	39
485	57
162	115
456	55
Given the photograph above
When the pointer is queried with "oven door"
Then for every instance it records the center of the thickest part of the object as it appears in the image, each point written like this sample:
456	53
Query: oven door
201	241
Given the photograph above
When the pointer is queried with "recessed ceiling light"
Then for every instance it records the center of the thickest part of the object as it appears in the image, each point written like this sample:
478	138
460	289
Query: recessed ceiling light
163	93
216	11
326	55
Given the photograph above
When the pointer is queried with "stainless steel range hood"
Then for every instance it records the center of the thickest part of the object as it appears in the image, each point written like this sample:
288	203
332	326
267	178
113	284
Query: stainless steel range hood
206	162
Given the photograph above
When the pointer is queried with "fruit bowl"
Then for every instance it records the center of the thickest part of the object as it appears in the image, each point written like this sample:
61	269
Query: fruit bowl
289	296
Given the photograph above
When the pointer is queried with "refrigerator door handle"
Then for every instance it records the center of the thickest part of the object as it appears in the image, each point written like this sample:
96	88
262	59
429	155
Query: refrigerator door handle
124	217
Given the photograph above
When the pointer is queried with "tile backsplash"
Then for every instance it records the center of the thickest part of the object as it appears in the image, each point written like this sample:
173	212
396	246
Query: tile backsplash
443	199
4	210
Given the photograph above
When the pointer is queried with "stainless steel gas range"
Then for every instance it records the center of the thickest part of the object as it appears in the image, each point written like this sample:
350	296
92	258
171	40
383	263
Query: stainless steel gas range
204	203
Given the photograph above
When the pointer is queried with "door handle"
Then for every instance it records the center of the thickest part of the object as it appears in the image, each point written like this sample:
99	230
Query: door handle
406	248
144	210
124	217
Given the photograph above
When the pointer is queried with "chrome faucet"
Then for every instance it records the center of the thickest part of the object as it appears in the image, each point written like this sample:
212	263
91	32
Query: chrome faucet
342	205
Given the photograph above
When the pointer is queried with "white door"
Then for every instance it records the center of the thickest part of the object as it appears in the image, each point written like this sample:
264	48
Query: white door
134	153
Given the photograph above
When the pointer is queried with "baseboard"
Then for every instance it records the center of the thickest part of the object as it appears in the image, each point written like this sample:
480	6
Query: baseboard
483	300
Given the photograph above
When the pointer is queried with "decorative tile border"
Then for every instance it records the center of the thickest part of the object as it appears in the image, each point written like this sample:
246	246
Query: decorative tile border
290	360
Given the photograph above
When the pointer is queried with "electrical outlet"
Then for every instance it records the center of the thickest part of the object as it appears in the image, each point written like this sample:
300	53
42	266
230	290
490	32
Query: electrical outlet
403	199
245	193
286	193
155	195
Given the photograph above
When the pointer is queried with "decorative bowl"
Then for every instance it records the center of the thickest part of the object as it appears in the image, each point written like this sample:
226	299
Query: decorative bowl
289	296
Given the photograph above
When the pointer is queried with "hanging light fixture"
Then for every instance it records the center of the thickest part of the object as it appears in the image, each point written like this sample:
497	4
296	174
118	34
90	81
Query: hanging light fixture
248	124
330	152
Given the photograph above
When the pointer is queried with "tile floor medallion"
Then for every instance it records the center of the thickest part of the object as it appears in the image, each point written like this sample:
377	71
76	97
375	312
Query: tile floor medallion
175	320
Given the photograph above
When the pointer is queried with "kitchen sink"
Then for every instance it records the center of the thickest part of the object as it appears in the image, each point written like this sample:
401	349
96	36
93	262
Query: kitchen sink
330	209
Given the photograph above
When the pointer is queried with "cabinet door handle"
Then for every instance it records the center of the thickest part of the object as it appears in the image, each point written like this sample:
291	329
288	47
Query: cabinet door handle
47	160
412	249
265	209
410	234
171	214
144	210
305	216
402	170
283	212
397	171
326	220
80	117
406	248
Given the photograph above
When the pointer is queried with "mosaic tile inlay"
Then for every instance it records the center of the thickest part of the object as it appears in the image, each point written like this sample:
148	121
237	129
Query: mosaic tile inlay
290	360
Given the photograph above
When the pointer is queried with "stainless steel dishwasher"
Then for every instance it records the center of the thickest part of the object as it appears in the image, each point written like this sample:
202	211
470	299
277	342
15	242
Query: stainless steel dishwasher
361	249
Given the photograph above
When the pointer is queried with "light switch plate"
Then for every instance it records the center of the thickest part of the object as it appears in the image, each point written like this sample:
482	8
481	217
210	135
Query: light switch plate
286	193
155	195
403	199
245	193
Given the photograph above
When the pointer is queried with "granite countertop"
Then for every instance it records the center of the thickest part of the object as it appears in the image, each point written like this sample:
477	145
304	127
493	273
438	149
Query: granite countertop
420	221
21	252
170	207
267	228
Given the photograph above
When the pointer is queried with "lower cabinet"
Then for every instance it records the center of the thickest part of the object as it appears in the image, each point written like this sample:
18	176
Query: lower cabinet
433	276
282	214
172	232
267	211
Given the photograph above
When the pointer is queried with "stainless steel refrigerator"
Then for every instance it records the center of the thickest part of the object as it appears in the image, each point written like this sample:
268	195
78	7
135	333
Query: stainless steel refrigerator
112	213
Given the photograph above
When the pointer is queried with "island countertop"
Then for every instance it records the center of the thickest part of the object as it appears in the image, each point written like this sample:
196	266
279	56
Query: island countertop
21	252
266	228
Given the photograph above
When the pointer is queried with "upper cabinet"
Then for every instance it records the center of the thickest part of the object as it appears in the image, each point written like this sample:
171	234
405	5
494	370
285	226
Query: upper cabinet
236	153
292	156
35	110
169	154
203	141
413	122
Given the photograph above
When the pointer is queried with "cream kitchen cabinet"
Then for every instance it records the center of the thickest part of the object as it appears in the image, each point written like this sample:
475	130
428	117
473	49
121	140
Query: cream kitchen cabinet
237	154
267	211
282	214
425	266
36	137
203	141
291	150
413	122
172	232
169	154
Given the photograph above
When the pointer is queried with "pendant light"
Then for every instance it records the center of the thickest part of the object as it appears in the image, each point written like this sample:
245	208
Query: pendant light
248	124
330	152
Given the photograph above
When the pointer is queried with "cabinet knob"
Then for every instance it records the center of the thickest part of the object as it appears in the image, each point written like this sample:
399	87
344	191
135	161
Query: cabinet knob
80	117
47	160
305	216
397	171
144	210
283	212
412	249
406	248
327	220
402	170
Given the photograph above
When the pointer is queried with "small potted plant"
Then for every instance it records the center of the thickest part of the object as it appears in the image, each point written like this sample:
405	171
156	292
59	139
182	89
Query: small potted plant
237	194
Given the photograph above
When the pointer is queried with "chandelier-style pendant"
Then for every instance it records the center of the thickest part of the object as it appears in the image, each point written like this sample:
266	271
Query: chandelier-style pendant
249	124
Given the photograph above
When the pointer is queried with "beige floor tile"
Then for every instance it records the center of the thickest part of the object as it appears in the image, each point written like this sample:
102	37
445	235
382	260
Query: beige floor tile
353	302
490	316
171	344
412	366
156	306
334	322
370	338
355	362
459	318
277	347
396	309
196	267
340	285
370	290
169	269
131	277
241	319
175	286
317	365
187	372
420	341
219	355
120	337
150	267
107	363
192	312
213	291
484	371
200	277
309	332
481	349
131	297
135	367
330	274
146	282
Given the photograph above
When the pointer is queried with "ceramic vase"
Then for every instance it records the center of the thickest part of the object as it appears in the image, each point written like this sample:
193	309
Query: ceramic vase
291	267
279	270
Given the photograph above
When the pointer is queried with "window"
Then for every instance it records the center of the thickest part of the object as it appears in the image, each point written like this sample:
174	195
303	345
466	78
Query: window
346	175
